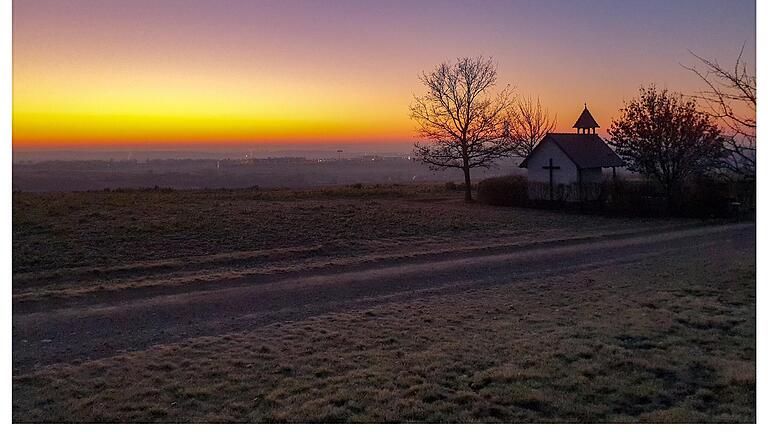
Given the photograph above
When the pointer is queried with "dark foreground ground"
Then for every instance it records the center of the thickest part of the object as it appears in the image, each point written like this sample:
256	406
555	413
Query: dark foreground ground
533	317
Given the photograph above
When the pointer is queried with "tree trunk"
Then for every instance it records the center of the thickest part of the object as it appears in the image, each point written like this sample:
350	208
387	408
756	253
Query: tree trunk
467	185
669	190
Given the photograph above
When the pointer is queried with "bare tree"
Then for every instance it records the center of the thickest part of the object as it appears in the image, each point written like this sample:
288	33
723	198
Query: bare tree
665	137
731	97
460	118
529	124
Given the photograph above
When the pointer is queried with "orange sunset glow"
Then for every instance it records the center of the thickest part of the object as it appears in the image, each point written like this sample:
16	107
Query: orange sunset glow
190	73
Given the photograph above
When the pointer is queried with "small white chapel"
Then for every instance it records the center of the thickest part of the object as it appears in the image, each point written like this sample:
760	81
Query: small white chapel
569	161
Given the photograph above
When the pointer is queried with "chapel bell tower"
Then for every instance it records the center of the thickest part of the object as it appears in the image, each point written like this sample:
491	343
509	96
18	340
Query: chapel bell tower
586	124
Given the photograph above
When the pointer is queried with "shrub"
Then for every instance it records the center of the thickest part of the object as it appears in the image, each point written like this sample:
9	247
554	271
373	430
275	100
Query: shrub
503	191
636	198
451	186
698	198
705	197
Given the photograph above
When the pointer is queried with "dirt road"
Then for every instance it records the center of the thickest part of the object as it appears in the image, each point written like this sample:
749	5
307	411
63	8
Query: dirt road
72	332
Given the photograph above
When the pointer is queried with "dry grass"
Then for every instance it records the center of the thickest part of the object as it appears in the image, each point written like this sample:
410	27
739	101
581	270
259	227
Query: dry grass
65	243
663	340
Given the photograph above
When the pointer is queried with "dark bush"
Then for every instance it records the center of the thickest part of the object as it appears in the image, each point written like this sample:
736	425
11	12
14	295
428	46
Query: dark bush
636	198
451	186
704	197
503	191
697	198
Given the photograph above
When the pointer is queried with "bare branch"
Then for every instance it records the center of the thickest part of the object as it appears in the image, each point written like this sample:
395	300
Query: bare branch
528	124
731	97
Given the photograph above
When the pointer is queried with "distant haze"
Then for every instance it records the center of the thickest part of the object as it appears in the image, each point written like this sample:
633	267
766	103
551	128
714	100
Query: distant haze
31	154
205	75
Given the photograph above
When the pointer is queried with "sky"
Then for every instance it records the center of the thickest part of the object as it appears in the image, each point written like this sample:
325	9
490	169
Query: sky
214	73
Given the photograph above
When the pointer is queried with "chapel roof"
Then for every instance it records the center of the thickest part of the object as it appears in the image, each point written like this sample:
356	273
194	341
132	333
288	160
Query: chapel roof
585	120
585	150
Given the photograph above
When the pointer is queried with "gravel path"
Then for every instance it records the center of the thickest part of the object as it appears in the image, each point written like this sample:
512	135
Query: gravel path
77	332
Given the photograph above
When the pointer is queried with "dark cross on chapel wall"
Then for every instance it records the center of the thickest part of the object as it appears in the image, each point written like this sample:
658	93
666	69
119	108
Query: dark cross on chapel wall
551	169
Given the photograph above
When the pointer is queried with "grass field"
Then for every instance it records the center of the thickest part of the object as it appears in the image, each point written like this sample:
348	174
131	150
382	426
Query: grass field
80	242
64	230
651	340
654	341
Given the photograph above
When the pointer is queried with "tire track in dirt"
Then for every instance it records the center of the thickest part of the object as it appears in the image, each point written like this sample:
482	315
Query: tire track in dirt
88	331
